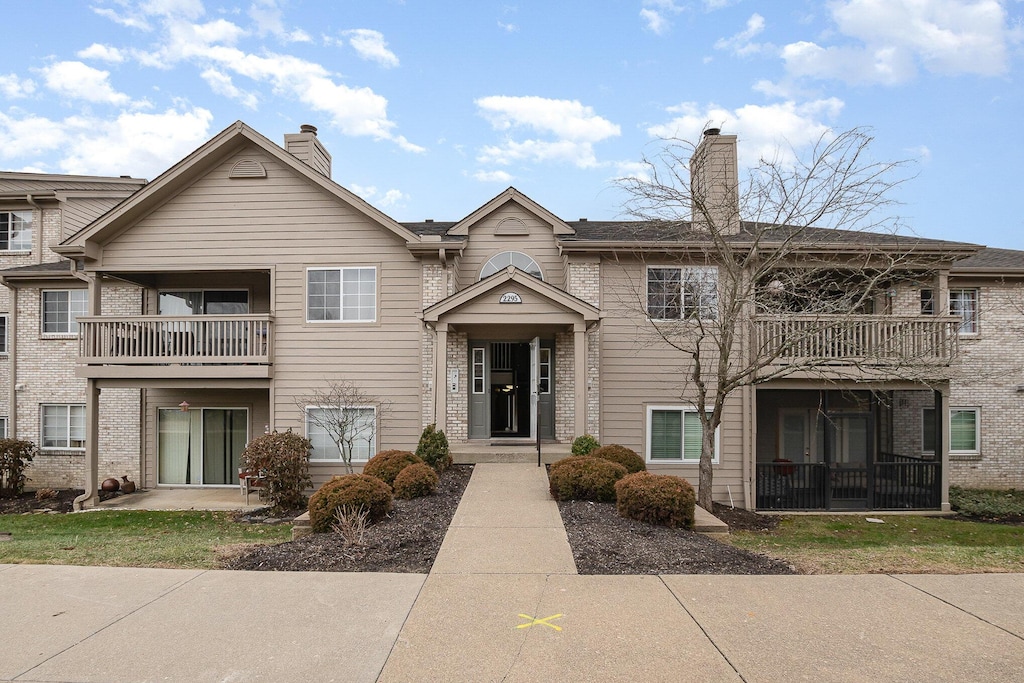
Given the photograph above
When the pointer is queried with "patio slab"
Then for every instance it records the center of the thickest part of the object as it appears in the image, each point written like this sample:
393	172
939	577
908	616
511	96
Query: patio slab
229	498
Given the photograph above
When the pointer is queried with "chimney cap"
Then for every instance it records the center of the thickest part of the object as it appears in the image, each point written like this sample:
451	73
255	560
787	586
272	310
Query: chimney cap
712	131
307	128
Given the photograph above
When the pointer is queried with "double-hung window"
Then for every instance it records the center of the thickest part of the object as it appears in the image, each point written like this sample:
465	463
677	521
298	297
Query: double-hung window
63	426
674	435
61	308
963	303
675	293
964	431
357	425
16	231
341	294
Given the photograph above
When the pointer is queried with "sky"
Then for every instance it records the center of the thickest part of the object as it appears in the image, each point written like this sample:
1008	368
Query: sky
432	107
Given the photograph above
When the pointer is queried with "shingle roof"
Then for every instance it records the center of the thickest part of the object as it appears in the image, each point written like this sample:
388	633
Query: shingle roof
991	259
62	267
11	182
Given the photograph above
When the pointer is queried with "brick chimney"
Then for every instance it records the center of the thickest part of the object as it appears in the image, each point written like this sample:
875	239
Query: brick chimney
306	147
714	183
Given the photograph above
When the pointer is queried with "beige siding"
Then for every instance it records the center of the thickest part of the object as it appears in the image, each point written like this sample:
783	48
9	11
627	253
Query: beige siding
78	212
638	371
287	223
484	243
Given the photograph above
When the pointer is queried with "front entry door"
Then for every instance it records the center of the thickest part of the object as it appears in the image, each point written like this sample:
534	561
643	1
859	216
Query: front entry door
508	381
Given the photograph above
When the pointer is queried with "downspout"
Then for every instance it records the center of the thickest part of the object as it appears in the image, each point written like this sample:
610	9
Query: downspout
12	360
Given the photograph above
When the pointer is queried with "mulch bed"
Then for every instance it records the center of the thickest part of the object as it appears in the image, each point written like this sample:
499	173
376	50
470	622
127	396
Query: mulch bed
406	541
26	503
602	542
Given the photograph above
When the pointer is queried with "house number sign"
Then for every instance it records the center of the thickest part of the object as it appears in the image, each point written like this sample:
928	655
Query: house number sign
510	298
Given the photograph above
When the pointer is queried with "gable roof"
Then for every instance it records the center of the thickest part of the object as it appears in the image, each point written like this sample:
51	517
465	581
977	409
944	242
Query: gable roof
179	176
558	226
503	278
991	261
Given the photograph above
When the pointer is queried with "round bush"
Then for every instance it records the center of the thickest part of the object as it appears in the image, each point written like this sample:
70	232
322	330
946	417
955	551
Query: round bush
656	499
354	490
582	477
387	464
583	445
433	448
415	481
626	457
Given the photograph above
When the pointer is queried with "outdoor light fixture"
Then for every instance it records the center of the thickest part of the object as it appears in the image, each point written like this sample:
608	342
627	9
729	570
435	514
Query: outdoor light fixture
184	406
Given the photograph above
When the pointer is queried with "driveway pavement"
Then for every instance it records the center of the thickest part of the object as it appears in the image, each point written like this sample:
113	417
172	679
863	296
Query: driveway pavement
504	604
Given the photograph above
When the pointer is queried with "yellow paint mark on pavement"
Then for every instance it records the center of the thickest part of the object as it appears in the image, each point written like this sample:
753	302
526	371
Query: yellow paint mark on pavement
534	621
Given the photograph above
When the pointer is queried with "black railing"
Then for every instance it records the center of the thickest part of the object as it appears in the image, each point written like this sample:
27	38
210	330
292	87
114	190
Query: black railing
896	482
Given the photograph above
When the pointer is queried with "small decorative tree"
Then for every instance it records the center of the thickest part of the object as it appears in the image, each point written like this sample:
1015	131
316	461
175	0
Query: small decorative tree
338	409
15	455
281	459
433	448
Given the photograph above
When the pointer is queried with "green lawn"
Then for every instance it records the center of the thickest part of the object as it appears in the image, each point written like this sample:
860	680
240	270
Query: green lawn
822	544
124	538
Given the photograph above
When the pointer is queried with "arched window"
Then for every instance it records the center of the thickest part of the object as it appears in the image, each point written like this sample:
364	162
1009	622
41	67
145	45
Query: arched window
511	258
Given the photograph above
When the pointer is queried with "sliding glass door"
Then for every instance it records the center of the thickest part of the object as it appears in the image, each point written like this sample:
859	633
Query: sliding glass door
201	446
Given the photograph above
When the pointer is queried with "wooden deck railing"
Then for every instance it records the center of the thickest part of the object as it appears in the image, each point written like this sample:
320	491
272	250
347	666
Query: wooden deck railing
870	338
162	339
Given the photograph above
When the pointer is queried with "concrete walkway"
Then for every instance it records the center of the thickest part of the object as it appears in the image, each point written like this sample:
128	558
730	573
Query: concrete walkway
504	604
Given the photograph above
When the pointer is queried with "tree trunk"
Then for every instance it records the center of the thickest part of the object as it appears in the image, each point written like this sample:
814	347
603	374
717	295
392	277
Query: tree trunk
707	454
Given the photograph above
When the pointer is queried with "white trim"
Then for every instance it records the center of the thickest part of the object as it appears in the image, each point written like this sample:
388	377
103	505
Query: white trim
5	338
683	311
341	307
977	429
481	276
372	449
72	332
67	424
31	231
681	460
975	319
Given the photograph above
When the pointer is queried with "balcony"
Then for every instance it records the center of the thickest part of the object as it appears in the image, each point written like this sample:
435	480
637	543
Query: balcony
857	339
175	346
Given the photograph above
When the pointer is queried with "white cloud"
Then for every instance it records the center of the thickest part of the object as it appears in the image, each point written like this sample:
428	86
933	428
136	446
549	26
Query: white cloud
388	199
493	177
267	16
14	88
574	126
103	53
82	82
508	28
656	13
742	44
371	46
631	169
221	84
767	131
131	20
96	146
891	39
211	47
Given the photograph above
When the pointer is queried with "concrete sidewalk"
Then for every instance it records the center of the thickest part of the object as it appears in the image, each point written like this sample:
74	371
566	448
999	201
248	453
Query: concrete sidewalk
504	604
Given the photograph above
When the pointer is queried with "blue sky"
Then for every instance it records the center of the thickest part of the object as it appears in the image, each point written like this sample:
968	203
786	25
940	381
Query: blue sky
430	108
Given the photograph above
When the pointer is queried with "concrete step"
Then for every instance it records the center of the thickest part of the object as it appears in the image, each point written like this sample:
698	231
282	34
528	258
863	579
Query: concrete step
466	454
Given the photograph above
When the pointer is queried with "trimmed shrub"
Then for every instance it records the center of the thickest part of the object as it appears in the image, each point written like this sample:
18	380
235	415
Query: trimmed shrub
281	459
626	457
387	464
583	445
656	499
15	455
582	477
351	492
433	448
415	481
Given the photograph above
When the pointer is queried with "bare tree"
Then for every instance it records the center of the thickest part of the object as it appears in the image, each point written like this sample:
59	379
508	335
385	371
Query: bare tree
346	413
793	287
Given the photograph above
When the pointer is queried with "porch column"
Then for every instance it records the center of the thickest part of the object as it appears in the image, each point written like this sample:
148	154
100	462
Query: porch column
942	446
940	298
441	376
92	446
579	357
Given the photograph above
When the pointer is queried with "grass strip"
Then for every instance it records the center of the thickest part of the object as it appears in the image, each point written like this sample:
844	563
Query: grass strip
130	538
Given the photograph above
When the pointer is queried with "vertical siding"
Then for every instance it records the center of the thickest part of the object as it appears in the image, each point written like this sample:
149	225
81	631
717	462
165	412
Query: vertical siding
483	243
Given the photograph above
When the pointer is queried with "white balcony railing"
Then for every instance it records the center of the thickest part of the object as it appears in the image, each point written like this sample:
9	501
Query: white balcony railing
854	338
161	339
